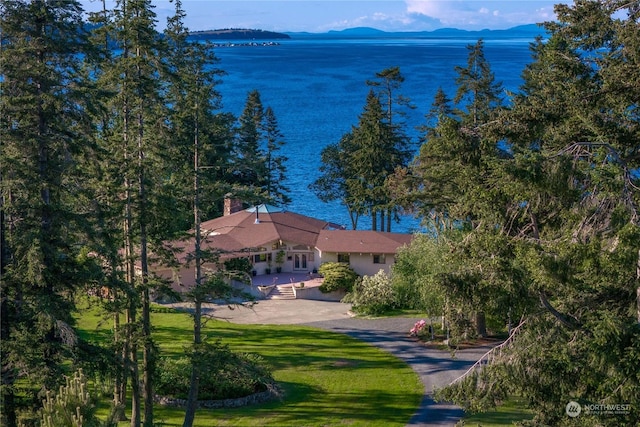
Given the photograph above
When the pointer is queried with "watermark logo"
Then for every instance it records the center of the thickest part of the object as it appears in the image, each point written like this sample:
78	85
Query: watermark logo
573	409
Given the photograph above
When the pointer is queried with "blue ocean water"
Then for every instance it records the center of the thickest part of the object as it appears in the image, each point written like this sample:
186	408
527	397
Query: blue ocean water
317	90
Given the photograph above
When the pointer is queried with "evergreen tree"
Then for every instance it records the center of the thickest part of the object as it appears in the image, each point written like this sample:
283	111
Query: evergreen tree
105	182
371	159
44	134
355	170
477	88
275	164
258	165
198	134
571	223
133	138
387	83
250	168
332	183
456	165
458	150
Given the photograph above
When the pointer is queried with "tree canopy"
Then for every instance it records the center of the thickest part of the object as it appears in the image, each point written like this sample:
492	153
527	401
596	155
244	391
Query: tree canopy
545	193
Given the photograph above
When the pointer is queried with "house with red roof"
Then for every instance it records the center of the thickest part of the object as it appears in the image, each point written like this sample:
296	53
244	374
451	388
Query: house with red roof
276	240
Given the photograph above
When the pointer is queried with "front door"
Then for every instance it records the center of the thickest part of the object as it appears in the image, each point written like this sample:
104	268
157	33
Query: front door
300	262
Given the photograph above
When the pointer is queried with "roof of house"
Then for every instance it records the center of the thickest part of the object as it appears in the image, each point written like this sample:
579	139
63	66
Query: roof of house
361	241
262	225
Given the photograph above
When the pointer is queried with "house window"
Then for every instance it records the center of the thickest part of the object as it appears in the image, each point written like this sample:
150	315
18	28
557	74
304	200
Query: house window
379	259
261	258
343	258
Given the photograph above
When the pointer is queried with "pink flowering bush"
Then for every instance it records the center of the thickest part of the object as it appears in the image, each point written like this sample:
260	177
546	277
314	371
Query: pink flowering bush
419	326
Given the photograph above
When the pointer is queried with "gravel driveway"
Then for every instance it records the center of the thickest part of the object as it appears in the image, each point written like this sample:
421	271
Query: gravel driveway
436	368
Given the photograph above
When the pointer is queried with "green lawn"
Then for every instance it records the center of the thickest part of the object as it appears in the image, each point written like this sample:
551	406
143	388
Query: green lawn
328	378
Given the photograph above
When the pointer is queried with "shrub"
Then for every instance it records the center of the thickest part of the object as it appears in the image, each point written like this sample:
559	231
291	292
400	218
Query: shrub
337	276
225	374
374	294
242	265
71	406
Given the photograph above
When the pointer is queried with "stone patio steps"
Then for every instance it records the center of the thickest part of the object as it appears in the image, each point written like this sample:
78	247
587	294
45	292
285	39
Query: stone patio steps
282	292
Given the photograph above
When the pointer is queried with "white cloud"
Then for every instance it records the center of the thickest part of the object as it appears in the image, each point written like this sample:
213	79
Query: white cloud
478	14
432	9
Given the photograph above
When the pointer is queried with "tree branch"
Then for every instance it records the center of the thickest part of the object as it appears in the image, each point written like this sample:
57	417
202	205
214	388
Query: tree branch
569	323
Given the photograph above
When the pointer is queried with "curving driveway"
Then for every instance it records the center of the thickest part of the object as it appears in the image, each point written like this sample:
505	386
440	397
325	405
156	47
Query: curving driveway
436	368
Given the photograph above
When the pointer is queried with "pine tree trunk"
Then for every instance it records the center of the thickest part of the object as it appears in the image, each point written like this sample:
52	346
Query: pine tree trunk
147	359
8	413
354	219
131	344
147	356
133	368
481	324
389	221
120	380
194	385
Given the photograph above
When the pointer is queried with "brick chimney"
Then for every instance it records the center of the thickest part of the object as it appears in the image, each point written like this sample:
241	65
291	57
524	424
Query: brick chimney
231	205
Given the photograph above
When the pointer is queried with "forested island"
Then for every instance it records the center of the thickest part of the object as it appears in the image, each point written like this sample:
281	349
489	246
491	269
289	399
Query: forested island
531	201
237	34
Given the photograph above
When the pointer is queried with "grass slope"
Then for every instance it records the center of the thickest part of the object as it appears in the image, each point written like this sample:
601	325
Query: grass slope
328	378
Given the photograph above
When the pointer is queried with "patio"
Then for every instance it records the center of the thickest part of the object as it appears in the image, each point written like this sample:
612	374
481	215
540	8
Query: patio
287	278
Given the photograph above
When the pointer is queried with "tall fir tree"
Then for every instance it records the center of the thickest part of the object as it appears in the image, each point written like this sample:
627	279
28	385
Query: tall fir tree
378	149
387	84
250	166
134	141
44	134
456	164
275	164
202	136
258	164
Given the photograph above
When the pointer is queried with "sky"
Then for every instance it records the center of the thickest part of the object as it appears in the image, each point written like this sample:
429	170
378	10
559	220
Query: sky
319	16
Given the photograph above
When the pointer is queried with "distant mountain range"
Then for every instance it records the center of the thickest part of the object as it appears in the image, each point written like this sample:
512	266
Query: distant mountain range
524	31
527	31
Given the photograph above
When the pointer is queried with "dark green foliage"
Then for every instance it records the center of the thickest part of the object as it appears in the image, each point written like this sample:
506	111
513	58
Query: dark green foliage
355	171
338	276
561	245
275	164
258	164
45	133
335	171
199	131
224	374
242	265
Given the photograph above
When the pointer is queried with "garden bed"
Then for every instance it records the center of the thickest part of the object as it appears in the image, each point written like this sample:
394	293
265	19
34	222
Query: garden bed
273	392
